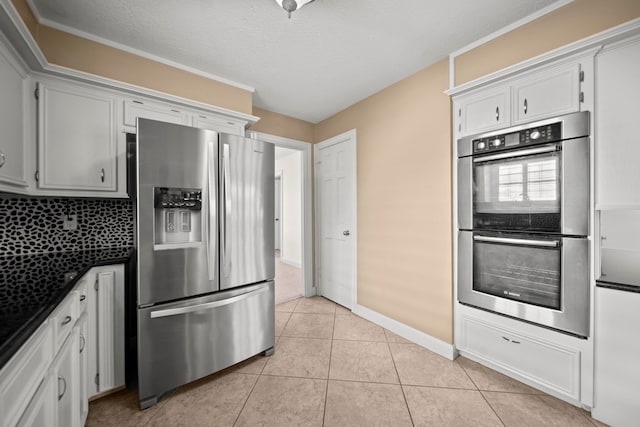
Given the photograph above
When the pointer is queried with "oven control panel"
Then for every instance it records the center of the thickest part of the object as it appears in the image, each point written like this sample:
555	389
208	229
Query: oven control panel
538	135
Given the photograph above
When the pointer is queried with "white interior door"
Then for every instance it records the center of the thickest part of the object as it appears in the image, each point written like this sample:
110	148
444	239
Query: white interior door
278	211
336	210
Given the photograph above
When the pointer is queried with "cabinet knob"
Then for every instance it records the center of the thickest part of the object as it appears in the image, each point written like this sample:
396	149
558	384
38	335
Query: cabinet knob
66	320
102	174
83	342
346	233
2	159
497	114
526	106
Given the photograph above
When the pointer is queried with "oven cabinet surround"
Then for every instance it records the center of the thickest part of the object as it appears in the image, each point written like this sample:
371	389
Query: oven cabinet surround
552	90
617	140
554	84
49	379
13	86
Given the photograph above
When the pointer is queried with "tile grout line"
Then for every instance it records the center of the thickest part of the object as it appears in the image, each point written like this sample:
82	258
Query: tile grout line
326	391
260	373
404	396
481	393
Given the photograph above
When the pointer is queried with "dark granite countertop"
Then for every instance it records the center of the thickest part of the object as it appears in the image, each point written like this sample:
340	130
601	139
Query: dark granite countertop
31	286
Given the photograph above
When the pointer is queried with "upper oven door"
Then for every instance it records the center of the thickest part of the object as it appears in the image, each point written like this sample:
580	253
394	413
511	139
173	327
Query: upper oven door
518	190
524	190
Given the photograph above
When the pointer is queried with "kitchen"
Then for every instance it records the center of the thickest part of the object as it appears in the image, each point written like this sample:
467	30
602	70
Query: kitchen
420	173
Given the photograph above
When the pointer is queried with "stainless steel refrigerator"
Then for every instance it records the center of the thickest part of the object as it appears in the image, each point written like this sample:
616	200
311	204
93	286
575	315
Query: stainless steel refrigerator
205	247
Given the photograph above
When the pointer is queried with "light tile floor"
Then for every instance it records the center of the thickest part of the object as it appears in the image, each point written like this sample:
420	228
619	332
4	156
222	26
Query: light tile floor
333	368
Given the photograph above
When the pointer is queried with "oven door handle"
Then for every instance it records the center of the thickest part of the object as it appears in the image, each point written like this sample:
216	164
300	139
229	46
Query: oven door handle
527	242
519	153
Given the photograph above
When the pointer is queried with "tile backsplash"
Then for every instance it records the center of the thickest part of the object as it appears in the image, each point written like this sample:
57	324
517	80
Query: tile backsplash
33	225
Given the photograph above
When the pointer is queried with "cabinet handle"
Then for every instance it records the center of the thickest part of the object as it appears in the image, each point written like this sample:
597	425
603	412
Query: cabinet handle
526	105
102	174
2	159
84	343
64	382
497	114
83	297
510	340
66	320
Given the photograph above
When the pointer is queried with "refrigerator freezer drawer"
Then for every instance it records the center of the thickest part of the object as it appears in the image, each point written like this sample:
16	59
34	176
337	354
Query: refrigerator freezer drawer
181	342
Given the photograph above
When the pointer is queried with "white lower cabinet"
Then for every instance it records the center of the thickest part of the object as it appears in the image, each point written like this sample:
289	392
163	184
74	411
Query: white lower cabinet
105	335
83	389
552	367
42	410
617	346
49	381
66	372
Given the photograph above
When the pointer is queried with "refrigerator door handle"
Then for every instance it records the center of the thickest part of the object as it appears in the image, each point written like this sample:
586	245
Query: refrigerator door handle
205	306
211	204
226	215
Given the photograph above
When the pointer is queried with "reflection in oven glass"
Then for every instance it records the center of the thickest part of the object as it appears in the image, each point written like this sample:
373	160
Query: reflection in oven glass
522	273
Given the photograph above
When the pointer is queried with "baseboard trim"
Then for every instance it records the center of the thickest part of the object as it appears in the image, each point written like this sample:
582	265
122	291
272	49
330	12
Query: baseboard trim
289	262
436	345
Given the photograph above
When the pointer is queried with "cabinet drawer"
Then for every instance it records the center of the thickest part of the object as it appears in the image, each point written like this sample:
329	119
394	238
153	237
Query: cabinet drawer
21	376
545	363
63	319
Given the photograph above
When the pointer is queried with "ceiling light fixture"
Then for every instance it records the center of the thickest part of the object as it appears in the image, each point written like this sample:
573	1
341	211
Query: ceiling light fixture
292	5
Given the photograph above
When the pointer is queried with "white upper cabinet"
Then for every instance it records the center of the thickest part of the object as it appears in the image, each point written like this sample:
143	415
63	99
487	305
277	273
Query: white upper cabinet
136	108
218	124
12	123
76	138
617	143
536	95
548	93
484	111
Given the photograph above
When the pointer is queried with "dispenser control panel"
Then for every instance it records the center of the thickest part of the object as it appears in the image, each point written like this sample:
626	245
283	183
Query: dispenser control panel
177	198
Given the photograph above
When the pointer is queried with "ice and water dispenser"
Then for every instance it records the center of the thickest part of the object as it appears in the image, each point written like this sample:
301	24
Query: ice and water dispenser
178	217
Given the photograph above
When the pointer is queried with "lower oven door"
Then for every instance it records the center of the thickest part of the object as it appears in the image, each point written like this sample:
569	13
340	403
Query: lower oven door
536	278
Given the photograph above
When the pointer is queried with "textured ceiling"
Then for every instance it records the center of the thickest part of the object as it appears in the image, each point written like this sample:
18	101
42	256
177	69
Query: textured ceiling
329	55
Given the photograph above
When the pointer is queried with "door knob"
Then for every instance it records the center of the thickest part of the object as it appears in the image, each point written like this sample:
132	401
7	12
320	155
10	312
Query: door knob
277	219
346	233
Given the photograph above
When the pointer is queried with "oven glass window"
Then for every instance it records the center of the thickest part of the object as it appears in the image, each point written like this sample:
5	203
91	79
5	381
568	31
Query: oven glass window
519	193
525	273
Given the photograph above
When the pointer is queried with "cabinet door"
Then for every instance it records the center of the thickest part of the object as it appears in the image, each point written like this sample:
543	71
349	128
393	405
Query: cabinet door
66	372
617	345
149	110
546	94
83	397
12	114
484	111
76	138
617	148
218	124
105	335
42	410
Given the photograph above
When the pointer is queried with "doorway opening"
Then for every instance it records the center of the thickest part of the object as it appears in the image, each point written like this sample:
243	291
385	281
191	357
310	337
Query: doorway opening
293	215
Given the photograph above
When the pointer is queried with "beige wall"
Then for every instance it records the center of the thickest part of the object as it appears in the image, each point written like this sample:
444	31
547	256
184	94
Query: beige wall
74	52
573	22
281	125
404	200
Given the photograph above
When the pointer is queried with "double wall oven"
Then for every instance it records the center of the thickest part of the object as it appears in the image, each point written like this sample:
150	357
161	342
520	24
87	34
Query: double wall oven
523	220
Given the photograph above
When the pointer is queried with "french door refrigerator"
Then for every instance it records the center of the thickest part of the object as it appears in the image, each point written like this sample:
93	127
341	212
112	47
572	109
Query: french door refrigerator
205	246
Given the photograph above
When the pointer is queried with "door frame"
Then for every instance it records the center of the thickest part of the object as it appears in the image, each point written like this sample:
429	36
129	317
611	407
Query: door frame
349	138
308	285
278	178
